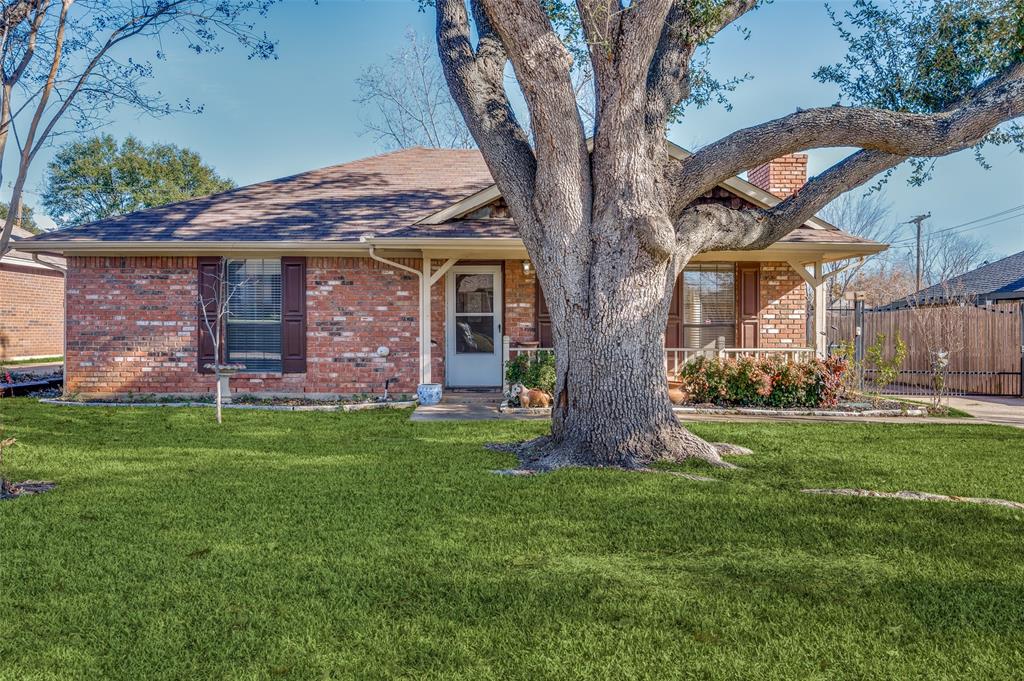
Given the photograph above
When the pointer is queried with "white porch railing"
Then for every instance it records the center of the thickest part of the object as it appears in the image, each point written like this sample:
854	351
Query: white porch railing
675	358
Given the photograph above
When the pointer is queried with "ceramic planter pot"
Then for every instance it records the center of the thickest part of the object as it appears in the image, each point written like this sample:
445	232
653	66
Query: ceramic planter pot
428	393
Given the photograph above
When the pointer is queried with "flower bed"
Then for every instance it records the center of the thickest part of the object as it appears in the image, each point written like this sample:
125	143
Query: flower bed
14	383
770	385
765	382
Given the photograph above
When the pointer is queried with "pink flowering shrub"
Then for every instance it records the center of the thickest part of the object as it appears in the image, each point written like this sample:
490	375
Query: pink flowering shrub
764	382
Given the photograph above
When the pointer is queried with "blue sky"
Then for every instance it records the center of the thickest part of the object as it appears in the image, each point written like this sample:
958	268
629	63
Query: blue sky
269	119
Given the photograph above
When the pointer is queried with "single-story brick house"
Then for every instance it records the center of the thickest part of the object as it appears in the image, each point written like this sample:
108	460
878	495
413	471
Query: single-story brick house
31	303
401	266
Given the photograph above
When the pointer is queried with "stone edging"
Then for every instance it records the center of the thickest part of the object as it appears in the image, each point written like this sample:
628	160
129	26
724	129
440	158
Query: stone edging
747	411
752	411
362	406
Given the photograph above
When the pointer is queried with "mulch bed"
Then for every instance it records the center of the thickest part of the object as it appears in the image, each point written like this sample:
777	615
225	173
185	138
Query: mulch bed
15	383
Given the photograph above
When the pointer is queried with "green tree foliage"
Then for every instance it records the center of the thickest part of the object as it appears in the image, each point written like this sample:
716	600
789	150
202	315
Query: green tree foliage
99	178
923	56
28	219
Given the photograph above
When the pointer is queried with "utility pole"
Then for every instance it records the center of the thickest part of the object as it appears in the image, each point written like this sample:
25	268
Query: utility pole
917	220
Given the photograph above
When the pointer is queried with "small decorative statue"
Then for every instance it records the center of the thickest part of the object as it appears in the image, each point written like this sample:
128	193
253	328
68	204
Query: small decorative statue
677	396
530	397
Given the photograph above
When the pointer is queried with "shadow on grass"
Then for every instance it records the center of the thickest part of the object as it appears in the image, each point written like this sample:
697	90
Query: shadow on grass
326	544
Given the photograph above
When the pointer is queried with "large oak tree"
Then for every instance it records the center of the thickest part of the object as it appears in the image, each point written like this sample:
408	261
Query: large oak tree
610	225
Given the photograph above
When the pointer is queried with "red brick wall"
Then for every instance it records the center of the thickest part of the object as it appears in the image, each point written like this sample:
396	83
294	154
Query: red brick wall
520	303
783	176
782	320
782	317
31	312
132	327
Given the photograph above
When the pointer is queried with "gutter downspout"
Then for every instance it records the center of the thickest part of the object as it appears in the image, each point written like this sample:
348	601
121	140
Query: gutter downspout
48	265
424	312
427	281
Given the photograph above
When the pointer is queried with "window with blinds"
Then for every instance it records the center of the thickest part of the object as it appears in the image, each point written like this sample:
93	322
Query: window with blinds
253	328
709	306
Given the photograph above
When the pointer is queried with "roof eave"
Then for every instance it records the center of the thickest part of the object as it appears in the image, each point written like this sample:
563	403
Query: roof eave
511	246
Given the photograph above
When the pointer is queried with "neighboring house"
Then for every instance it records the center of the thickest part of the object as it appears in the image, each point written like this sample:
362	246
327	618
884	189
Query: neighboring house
334	261
1001	281
31	303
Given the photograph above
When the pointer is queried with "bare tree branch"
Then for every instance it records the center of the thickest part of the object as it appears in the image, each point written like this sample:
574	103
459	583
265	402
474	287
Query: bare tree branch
411	101
76	77
712	227
542	65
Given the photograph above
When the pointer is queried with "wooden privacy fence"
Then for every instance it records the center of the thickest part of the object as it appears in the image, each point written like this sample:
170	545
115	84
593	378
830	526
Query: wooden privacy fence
984	345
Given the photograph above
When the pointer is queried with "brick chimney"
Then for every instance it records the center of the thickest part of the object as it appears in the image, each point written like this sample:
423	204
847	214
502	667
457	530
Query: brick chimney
783	177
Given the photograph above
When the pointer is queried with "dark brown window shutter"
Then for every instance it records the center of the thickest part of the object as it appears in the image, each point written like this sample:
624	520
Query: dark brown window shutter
208	274
748	291
293	315
544	335
674	326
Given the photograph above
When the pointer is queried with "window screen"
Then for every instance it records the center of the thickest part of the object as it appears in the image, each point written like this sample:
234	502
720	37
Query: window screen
474	313
254	314
709	306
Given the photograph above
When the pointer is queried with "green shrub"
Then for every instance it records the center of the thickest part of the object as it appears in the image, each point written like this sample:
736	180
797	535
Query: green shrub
764	382
885	365
536	370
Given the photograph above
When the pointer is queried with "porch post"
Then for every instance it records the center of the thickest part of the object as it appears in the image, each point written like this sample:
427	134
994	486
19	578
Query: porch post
820	303
425	314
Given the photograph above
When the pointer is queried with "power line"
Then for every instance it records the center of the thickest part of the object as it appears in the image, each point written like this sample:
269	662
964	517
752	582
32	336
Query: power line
909	240
971	222
970	225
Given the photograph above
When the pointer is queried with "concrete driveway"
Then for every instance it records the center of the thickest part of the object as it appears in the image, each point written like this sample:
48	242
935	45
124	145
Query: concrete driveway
1004	411
1007	411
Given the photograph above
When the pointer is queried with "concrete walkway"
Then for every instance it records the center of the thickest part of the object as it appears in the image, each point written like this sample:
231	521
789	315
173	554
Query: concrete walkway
1003	411
467	405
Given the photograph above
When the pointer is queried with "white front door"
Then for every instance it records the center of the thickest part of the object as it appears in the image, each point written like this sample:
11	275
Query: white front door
473	333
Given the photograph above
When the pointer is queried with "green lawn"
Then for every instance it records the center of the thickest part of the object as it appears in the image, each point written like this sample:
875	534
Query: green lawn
37	360
304	545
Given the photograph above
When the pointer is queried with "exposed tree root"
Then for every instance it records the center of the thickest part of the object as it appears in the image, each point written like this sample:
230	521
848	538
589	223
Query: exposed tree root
727	449
678	474
673	445
916	496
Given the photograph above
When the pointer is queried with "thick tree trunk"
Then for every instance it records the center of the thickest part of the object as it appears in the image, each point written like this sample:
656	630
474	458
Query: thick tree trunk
611	398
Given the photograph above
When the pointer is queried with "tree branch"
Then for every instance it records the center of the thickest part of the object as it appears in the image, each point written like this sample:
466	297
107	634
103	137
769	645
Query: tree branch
542	65
476	81
668	78
891	132
714	227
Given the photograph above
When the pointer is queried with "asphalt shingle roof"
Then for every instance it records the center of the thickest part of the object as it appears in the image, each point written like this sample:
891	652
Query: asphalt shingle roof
999	280
384	195
337	203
